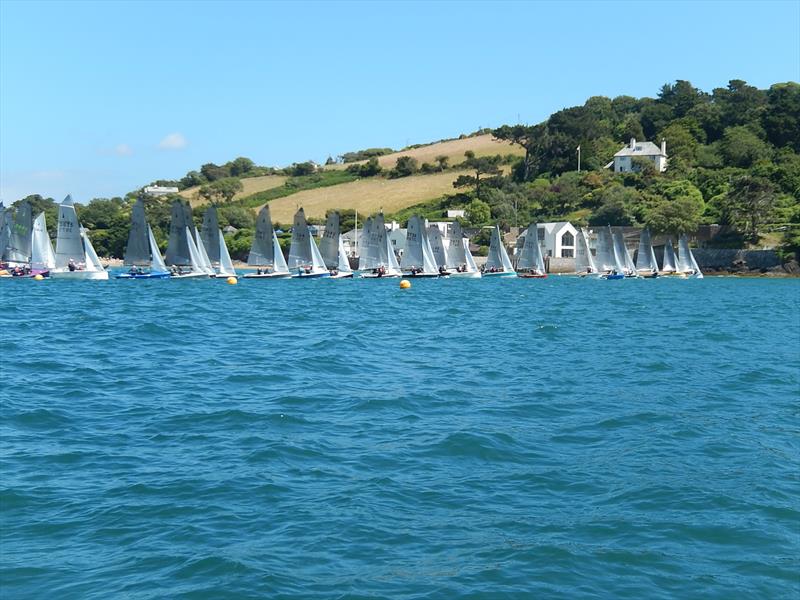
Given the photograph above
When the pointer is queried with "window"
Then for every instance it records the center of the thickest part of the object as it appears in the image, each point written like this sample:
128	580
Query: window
540	233
567	253
567	239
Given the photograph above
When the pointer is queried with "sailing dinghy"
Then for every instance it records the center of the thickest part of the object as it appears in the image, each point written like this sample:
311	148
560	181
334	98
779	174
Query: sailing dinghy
584	261
646	265
75	255
304	256
531	261
182	255
265	252
609	262
417	260
438	249
668	265
459	259
628	268
498	264
687	265
17	250
378	258
142	251
332	248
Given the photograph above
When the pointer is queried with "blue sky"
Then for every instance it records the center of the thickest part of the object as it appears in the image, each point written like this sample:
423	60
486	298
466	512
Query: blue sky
98	99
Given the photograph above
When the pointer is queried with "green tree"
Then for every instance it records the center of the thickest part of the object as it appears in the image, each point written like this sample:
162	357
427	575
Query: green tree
781	118
740	147
406	165
240	166
749	203
442	161
478	212
213	172
221	190
523	136
678	209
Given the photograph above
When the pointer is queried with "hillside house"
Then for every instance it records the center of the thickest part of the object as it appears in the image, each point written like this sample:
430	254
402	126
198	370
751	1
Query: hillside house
557	240
624	159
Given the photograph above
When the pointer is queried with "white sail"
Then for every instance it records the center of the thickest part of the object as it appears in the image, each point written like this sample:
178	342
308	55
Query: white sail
329	244
418	254
669	264
42	256
686	262
436	246
317	262
93	263
195	261
645	257
456	254
343	265
299	250
624	262
698	274
393	265
366	259
262	249
205	261
605	250
584	261
617	251
531	258
69	243
156	260
225	263
471	266
279	262
498	257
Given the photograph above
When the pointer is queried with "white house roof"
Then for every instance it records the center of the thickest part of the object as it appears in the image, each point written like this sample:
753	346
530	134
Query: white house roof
640	149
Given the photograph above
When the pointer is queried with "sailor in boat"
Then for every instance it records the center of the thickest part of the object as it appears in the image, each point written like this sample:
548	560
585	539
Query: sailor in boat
442	270
334	272
73	267
258	271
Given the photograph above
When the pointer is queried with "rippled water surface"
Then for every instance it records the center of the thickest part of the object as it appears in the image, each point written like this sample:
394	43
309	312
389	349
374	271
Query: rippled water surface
462	439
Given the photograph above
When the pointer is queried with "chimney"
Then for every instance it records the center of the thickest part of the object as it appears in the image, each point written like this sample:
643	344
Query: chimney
633	143
663	146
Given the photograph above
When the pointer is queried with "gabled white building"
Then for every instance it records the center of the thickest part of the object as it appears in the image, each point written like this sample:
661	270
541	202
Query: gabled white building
623	160
556	240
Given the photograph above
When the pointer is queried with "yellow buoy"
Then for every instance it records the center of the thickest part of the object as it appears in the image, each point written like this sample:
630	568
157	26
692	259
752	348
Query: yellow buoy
38	277
405	284
232	280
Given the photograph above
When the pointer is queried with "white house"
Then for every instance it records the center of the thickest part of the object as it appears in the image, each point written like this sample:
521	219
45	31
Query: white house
557	240
454	213
623	160
159	190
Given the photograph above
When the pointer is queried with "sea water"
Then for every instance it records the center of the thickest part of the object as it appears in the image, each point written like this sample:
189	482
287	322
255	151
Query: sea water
462	439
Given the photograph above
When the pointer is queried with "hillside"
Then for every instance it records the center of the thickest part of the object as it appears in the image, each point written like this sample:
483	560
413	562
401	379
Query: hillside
366	195
251	186
481	145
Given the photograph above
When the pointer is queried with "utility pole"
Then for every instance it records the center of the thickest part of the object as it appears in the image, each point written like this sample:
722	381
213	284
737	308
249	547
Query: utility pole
579	159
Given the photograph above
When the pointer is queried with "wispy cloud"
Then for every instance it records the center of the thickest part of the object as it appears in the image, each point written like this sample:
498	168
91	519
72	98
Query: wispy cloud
123	150
174	141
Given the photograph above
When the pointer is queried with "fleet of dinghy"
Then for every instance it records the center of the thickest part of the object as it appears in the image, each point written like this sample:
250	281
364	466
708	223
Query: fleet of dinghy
497	263
531	262
28	251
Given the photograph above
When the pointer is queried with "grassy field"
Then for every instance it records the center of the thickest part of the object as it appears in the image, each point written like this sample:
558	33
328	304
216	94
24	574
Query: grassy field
251	186
366	195
481	145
